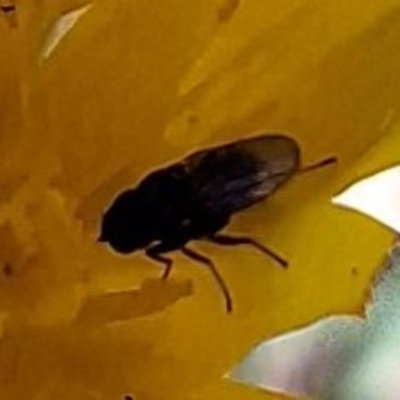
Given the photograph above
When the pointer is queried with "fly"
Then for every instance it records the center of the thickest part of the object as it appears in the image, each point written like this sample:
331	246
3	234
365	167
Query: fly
195	198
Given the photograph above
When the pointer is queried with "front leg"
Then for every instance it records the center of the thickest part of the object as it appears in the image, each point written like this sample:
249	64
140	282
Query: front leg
155	253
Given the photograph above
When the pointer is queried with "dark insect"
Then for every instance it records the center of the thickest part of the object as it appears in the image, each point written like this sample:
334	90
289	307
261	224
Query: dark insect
195	198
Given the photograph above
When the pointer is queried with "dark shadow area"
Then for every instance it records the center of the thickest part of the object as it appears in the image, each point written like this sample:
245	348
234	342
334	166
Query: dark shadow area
153	296
227	10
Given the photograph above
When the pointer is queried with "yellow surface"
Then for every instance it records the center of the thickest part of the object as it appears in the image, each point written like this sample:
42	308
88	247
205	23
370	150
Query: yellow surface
138	84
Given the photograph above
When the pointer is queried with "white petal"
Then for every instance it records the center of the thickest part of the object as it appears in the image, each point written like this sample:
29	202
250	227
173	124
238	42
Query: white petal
303	362
377	196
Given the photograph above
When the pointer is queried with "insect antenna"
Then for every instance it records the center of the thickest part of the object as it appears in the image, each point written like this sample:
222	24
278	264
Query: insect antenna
320	164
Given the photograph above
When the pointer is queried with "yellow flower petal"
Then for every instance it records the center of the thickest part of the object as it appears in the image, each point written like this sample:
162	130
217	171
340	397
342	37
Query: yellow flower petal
140	84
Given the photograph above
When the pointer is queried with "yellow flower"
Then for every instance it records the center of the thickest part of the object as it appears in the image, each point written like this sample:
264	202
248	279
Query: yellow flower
128	86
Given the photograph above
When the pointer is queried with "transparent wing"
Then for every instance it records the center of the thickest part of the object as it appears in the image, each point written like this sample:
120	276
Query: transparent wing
232	177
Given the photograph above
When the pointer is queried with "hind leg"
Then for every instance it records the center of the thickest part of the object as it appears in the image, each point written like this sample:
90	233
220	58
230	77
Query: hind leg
194	255
226	240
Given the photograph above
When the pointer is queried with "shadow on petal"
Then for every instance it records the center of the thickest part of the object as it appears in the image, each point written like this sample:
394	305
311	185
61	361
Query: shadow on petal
153	296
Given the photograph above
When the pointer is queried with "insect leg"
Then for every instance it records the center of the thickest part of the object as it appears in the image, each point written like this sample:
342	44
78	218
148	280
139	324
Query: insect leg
225	240
155	254
220	281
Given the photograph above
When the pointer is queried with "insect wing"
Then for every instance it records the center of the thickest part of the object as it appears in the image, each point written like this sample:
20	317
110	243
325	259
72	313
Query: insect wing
234	176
